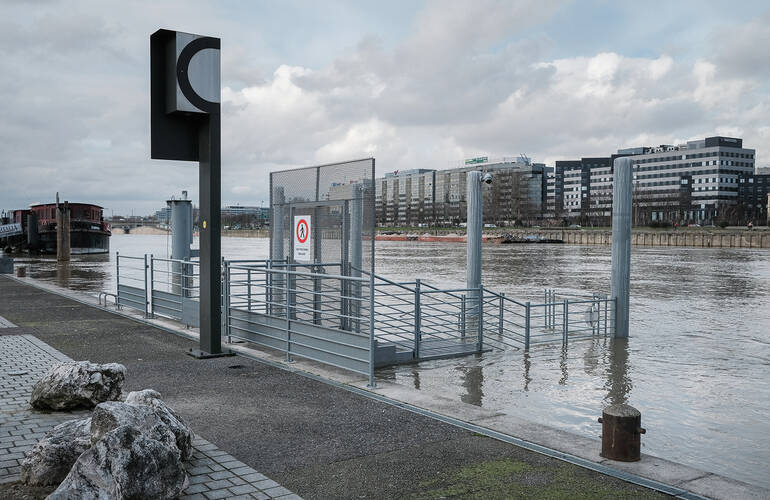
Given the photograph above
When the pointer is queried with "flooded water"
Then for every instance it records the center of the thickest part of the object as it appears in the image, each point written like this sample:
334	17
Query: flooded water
697	364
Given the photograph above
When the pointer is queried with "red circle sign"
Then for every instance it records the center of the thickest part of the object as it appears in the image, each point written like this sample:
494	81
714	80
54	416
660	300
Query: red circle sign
302	231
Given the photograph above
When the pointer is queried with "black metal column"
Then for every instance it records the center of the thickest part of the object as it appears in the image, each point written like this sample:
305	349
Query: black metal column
210	236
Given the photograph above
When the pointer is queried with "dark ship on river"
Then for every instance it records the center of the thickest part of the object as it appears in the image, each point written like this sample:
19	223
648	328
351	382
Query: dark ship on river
88	231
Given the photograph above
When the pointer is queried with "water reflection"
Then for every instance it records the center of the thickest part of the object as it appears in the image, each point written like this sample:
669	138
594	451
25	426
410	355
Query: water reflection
527	366
563	366
63	274
472	380
416	378
618	384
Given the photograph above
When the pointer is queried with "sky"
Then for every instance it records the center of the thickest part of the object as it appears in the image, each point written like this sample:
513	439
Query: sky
415	84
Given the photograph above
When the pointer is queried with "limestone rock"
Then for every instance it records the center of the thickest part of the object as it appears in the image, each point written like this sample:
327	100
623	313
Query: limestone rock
183	433
125	463
51	459
113	414
78	384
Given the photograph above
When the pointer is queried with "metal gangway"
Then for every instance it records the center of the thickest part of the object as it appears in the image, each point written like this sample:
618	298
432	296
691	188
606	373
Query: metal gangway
318	312
317	297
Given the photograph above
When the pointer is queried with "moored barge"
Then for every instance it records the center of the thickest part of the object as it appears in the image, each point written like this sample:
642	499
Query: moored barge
89	233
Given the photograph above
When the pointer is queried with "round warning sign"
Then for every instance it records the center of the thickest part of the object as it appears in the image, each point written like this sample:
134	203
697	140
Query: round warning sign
302	231
302	245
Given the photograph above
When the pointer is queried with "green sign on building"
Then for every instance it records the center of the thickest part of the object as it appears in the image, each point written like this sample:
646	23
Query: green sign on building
480	159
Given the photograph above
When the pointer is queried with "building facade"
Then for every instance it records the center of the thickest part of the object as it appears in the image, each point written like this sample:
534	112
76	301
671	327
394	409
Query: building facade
423	197
700	181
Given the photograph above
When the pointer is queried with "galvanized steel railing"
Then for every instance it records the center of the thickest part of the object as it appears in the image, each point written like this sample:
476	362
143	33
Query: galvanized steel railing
345	317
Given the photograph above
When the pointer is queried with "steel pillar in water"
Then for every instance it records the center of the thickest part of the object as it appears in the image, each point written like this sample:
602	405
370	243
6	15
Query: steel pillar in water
622	197
473	246
181	239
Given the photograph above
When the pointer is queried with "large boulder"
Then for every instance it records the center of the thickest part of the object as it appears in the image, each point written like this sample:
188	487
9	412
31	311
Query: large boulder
126	463
183	433
78	384
48	463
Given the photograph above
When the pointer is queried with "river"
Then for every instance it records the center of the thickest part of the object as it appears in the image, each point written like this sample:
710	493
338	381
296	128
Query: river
697	364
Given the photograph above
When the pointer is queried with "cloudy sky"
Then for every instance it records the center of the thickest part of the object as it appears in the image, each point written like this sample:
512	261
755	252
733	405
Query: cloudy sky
414	84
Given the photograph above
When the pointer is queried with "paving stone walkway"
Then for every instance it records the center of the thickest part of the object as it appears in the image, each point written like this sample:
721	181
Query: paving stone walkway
213	472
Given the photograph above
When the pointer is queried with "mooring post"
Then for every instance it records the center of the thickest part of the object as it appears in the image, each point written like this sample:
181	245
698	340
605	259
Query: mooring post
474	223
62	231
622	205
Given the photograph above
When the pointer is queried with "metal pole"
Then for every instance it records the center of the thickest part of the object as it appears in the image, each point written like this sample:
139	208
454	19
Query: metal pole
372	218
526	327
248	287
417	318
606	300
317	258
146	301
288	315
500	319
356	248
622	202
269	287
117	276
480	319
565	322
152	284
473	240
462	316
545	309
227	299
210	236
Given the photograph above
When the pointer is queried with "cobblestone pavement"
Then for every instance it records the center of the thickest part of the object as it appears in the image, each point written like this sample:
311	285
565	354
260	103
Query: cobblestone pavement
213	473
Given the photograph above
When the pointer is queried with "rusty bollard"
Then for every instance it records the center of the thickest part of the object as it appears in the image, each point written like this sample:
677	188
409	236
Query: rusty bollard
621	433
21	272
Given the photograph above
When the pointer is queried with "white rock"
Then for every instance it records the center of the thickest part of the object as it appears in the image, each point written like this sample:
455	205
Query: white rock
76	384
51	459
126	463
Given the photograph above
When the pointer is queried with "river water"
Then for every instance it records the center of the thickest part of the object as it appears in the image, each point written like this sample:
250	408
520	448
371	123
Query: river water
697	364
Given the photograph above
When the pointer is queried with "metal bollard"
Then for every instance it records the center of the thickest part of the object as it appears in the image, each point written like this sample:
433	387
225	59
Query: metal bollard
621	433
21	272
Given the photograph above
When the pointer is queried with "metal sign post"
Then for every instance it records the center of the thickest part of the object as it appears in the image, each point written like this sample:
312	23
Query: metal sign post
185	125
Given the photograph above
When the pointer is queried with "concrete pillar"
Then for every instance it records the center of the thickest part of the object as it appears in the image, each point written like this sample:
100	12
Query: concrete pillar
621	243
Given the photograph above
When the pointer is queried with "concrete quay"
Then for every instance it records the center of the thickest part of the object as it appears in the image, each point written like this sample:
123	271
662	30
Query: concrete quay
321	433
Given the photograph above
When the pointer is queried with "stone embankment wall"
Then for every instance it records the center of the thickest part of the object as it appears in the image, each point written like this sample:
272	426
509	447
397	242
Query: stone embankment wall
683	238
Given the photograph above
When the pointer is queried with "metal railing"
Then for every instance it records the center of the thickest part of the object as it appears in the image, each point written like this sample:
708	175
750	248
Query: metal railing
131	277
157	286
303	310
348	318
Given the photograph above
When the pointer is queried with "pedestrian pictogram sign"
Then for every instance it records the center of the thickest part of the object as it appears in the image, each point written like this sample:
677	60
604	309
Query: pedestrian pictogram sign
302	252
